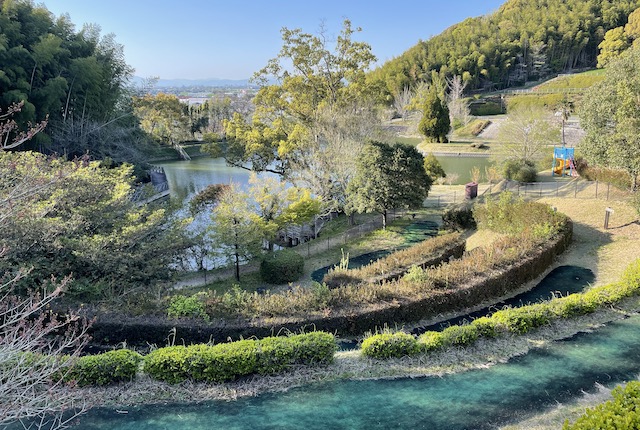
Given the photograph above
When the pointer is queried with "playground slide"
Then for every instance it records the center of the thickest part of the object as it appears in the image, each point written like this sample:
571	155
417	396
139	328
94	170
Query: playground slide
561	165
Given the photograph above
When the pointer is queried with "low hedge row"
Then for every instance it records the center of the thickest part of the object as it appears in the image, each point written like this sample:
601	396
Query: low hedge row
510	320
230	361
107	368
621	413
430	252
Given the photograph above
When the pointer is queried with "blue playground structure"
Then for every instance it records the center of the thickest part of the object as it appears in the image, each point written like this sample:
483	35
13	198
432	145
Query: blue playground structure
563	161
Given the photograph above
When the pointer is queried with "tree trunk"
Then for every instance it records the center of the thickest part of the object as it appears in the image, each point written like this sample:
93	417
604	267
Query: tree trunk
237	255
384	220
352	219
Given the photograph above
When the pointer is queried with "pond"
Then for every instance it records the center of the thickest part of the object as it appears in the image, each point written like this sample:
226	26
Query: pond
186	178
478	399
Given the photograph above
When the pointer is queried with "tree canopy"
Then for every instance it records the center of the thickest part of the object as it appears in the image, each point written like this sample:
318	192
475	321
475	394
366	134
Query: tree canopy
388	177
77	218
310	124
610	116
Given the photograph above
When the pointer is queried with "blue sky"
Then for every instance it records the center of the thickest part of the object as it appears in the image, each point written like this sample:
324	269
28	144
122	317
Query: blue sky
231	39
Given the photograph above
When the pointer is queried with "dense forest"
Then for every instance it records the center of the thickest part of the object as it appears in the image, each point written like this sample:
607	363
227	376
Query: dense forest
523	40
76	79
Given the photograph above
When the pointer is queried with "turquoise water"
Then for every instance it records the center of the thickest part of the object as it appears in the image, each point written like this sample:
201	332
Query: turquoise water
479	399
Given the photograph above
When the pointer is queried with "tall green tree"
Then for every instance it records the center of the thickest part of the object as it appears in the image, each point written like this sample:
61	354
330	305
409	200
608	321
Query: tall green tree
610	116
388	177
435	123
165	118
70	76
433	168
615	43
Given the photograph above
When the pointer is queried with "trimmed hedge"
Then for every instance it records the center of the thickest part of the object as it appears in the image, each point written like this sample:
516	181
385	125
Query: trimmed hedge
230	361
281	267
107	368
388	345
621	413
510	320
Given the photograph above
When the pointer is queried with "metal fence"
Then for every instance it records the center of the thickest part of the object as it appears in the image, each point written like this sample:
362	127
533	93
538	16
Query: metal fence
576	188
321	244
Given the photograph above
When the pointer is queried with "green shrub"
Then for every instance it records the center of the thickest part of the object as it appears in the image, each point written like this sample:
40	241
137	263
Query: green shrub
459	335
459	218
230	361
416	274
222	362
390	345
281	267
521	320
486	108
275	355
526	174
485	326
190	307
519	170
573	305
431	341
107	368
167	364
621	413
316	347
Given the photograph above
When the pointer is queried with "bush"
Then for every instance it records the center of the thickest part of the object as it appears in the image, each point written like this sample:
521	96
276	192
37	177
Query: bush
621	413
459	335
519	170
167	364
431	341
190	307
313	348
230	361
526	174
485	326
107	368
521	320
281	267
390	345
459	218
486	108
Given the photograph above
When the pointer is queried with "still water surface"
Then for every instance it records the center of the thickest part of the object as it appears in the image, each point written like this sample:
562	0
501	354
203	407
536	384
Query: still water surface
186	178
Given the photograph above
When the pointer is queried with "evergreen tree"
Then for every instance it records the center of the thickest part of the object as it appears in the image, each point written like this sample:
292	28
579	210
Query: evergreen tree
435	123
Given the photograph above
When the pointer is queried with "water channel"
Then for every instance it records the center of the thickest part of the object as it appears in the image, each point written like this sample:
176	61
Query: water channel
478	399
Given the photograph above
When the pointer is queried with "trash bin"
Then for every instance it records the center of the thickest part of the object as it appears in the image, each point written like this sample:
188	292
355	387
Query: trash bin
471	190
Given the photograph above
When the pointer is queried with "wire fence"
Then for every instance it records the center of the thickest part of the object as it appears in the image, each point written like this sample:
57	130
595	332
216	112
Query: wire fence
322	244
576	188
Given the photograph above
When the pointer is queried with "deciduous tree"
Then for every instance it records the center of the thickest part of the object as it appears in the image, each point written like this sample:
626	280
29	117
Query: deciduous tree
389	177
610	115
236	228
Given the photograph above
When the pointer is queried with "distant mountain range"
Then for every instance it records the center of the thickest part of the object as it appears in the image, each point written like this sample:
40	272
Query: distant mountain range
213	82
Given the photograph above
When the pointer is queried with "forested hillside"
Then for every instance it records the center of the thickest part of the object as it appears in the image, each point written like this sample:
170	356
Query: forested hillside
75	78
523	40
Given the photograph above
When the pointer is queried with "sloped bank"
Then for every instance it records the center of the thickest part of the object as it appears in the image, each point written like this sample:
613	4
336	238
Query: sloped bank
112	329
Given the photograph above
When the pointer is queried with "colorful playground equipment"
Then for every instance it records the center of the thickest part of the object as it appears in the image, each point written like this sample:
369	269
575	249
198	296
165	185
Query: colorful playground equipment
563	161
